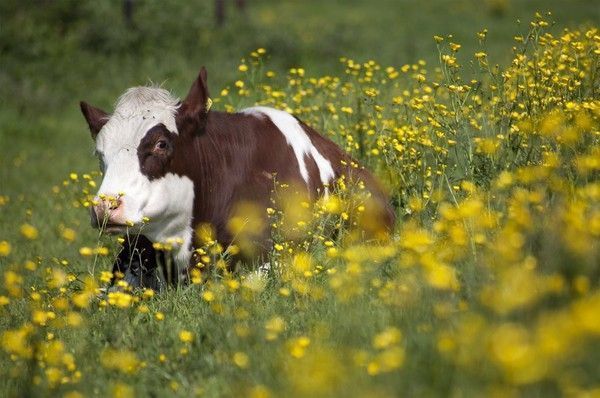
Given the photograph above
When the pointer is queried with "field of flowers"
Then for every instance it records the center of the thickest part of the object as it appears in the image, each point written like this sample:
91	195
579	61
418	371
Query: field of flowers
490	285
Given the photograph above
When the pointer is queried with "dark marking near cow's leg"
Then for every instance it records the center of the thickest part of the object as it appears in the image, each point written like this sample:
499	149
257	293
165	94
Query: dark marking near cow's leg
139	264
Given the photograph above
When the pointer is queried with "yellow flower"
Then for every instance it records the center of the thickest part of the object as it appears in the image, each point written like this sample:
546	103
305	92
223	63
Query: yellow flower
69	234
442	276
454	47
121	390
86	251
298	346
273	327
106	276
143	309
74	319
233	284
81	300
102	251
186	336
4	248
42	317
208	296
58	278
120	299
301	263
16	341
205	232
122	360
512	349
389	336
390	359
241	360
29	231
54	376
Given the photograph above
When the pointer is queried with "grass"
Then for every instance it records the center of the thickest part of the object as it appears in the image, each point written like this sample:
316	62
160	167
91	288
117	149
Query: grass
489	287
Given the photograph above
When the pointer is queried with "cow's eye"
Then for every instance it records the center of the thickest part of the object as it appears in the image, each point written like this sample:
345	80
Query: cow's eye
160	145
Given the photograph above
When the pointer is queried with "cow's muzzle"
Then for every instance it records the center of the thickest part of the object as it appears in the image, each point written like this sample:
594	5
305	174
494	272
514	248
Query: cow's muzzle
107	214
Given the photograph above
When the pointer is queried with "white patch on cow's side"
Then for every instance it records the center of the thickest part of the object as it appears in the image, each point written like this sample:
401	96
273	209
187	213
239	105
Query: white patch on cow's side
166	201
297	138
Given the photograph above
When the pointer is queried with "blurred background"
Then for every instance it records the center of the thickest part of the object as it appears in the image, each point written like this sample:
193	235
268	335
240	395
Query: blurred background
496	297
55	53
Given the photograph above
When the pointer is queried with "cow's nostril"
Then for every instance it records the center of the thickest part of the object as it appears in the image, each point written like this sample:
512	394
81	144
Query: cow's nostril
106	209
114	204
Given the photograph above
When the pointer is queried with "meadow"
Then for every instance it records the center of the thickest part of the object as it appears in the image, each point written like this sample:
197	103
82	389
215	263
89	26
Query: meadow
481	119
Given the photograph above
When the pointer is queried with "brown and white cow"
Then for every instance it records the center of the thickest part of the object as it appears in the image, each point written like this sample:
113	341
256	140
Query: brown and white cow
179	164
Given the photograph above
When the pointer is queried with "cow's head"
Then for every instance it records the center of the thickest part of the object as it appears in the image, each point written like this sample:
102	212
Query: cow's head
137	145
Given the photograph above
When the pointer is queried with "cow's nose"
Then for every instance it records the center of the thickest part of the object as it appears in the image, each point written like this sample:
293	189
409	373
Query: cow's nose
106	210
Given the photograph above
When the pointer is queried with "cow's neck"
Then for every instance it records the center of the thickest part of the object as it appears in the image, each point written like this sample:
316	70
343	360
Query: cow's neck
211	159
198	170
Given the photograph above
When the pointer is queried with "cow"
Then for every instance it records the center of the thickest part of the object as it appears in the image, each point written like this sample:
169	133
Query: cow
169	166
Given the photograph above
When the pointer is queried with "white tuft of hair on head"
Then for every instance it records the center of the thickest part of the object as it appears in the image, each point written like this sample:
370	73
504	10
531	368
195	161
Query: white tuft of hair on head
148	102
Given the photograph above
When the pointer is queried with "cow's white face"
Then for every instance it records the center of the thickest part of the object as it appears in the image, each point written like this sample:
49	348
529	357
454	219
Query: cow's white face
136	113
134	147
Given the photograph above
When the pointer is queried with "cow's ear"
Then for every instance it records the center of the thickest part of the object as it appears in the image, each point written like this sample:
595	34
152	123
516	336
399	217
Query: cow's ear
191	116
96	118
